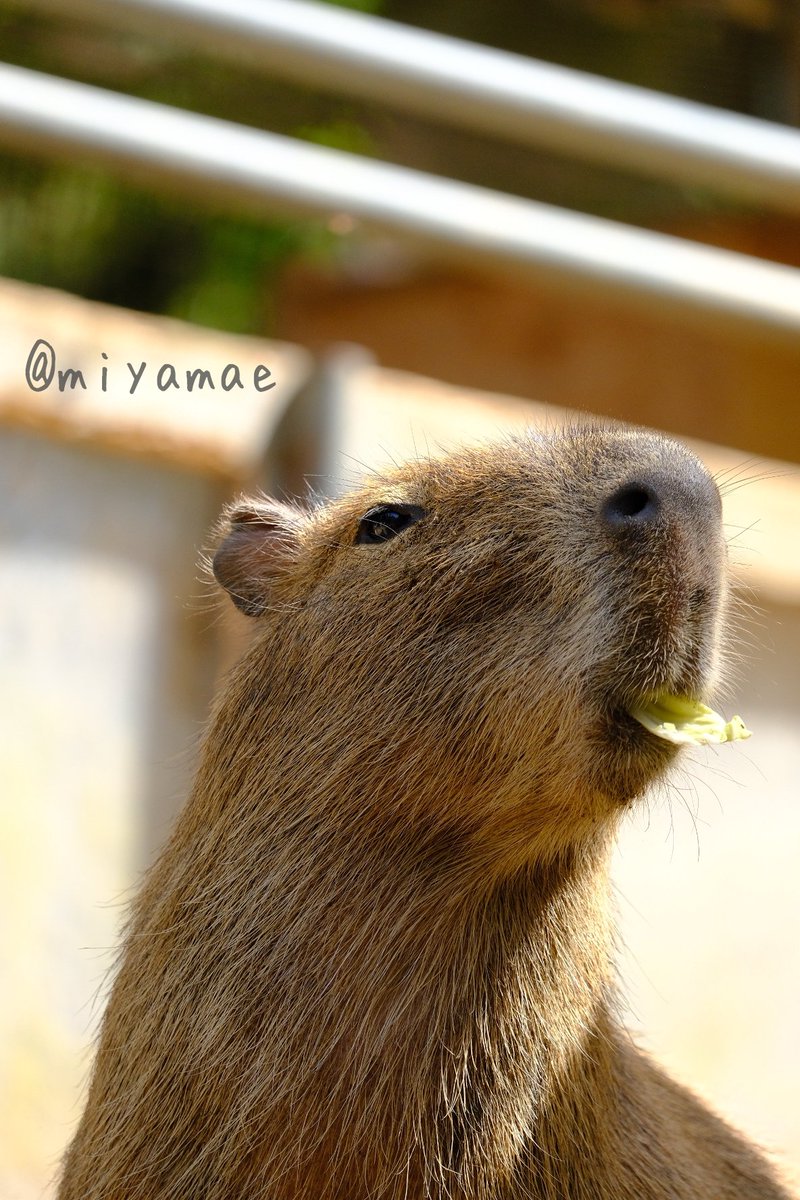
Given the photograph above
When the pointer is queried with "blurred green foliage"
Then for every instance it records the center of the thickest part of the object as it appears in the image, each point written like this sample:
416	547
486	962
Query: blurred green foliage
76	227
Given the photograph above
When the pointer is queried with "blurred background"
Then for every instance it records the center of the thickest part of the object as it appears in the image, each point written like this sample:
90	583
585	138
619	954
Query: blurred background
354	341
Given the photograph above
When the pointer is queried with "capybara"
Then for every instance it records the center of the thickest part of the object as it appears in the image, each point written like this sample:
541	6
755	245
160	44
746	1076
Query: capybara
374	961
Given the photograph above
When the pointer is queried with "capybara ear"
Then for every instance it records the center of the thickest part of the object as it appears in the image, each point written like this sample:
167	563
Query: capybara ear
260	541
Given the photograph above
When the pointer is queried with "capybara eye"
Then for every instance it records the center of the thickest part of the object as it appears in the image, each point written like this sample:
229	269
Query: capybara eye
385	522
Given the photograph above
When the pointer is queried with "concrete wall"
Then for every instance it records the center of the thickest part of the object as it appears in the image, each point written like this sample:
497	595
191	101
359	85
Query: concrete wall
108	667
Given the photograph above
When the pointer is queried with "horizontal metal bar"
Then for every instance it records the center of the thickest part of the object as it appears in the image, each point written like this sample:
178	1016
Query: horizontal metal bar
484	89
218	162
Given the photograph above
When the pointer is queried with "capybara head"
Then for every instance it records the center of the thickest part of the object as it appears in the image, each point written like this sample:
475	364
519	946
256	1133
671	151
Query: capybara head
457	644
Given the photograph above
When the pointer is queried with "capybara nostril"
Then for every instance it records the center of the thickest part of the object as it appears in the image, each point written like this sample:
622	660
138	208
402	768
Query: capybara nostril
634	503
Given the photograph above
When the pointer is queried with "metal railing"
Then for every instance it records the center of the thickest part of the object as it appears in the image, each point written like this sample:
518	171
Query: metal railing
223	163
493	91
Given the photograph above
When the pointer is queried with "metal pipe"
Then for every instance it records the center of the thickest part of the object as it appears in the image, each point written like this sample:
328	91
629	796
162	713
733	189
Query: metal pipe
489	90
218	162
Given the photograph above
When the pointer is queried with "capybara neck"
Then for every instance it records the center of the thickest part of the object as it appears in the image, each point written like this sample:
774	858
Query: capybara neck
423	1006
381	1022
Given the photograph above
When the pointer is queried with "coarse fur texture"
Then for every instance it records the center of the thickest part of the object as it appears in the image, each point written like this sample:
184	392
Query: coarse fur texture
374	961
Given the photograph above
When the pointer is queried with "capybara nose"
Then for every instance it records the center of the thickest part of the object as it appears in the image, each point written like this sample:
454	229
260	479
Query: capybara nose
682	491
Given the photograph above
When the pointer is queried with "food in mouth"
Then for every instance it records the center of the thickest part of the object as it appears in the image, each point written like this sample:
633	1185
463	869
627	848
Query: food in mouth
684	721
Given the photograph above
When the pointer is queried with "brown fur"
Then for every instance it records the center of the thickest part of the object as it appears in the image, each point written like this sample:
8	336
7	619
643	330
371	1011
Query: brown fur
375	958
